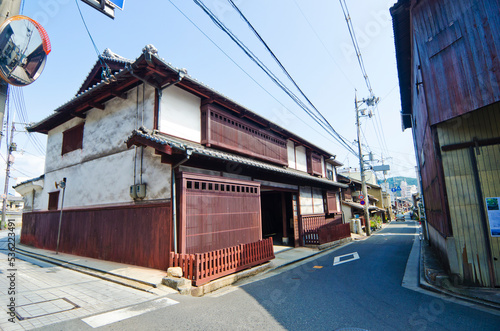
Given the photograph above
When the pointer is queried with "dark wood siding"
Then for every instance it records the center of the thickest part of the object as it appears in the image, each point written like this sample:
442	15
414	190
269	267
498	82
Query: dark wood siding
72	139
459	44
236	134
331	202
314	163
139	235
218	212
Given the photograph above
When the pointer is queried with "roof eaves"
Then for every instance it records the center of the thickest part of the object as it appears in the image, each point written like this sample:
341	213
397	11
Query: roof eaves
29	181
163	139
402	40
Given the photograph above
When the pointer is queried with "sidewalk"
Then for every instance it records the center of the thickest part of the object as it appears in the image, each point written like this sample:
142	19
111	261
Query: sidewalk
140	278
433	277
150	280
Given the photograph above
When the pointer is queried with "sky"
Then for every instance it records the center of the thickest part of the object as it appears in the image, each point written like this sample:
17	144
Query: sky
309	37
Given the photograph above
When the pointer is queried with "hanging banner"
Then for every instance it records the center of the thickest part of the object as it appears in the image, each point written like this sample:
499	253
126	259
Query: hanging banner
492	206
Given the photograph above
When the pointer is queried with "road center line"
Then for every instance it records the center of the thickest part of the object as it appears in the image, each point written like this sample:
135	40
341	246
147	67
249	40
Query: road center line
124	313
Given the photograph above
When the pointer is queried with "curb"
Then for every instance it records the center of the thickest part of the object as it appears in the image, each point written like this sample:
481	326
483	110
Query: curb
263	268
118	279
424	284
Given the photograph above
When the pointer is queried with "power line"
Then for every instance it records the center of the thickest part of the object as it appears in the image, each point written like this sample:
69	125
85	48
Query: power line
322	43
284	69
243	70
377	125
255	59
354	40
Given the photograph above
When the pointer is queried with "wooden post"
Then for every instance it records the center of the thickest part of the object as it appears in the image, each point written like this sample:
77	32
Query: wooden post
284	221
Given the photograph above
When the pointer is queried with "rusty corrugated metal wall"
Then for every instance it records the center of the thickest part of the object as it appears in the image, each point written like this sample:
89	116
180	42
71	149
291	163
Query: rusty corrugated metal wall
459	45
478	252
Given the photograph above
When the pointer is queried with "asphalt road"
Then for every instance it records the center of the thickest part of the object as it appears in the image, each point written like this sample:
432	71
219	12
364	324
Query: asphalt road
361	291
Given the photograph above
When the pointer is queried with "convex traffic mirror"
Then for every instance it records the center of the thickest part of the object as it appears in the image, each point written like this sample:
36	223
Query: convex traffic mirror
24	46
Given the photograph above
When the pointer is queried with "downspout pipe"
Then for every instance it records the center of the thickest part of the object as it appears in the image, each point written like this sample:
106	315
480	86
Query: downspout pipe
188	154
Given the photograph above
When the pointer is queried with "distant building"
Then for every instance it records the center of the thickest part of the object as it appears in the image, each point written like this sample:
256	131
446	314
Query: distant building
14	210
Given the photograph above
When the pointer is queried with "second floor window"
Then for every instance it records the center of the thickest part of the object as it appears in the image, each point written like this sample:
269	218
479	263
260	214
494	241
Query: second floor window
72	139
53	200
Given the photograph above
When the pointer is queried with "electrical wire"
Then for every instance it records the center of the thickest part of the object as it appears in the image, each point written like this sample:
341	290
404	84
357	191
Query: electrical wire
378	124
324	46
243	70
354	40
104	65
255	59
284	69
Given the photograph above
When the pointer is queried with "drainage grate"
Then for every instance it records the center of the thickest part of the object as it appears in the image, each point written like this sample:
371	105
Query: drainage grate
44	308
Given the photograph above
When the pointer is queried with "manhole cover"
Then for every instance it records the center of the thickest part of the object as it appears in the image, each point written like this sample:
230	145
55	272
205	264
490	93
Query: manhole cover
38	309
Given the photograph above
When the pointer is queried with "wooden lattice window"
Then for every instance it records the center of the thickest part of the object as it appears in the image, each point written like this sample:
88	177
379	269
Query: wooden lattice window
53	200
72	139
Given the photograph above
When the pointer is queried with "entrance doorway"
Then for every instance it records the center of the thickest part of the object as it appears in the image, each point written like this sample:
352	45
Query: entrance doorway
277	217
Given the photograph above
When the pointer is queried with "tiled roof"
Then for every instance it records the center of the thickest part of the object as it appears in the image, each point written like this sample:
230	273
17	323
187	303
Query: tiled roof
29	181
198	149
148	57
359	206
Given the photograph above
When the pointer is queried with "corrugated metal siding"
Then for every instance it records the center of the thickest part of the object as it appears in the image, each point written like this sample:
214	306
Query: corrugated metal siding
464	203
459	44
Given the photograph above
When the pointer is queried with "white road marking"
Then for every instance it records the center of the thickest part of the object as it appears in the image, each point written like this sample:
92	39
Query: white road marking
124	313
336	260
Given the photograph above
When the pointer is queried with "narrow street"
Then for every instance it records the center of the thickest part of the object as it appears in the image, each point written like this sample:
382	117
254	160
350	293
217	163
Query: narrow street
362	292
45	293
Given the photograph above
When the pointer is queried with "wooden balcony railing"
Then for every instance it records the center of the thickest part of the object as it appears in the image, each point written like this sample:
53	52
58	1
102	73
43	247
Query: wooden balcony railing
201	268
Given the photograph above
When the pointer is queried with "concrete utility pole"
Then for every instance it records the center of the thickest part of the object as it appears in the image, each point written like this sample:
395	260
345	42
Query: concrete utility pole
8	8
362	170
369	102
10	148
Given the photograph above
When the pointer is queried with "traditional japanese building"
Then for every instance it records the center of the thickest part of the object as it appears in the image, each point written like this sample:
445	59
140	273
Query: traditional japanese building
157	163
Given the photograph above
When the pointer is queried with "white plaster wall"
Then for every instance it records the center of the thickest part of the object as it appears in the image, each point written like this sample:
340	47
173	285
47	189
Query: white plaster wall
53	157
301	161
290	149
329	166
180	114
105	131
306	200
102	172
156	175
28	190
107	180
28	200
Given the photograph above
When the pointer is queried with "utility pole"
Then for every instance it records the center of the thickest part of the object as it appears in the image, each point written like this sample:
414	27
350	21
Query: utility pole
8	8
11	147
369	102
